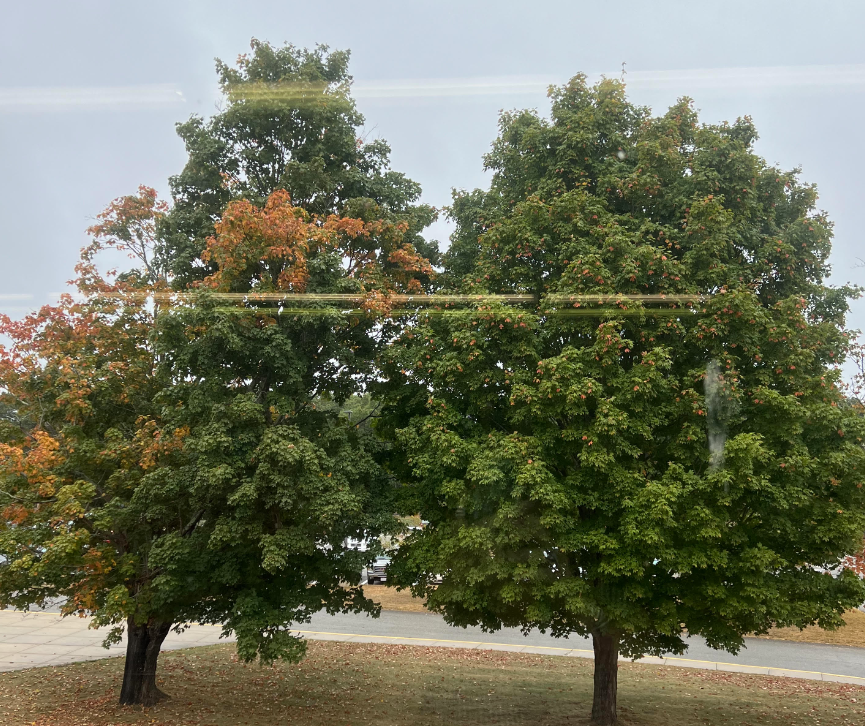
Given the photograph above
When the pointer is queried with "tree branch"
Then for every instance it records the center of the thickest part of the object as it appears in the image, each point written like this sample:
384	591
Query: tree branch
187	530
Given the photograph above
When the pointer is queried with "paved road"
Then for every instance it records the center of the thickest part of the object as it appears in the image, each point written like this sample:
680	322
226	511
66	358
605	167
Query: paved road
759	652
39	639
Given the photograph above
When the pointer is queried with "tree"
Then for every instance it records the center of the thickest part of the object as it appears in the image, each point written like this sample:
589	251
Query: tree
164	459
82	433
289	124
647	438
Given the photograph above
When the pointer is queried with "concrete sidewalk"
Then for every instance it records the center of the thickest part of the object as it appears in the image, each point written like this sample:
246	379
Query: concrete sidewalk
29	640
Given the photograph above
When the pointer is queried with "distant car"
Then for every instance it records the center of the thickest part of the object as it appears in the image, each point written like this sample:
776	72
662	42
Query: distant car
376	573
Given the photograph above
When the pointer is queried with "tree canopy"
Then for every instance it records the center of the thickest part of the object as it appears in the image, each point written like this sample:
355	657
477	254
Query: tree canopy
623	418
288	123
181	457
173	445
648	438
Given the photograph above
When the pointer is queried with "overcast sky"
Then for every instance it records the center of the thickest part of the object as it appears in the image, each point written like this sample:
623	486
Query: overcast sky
90	93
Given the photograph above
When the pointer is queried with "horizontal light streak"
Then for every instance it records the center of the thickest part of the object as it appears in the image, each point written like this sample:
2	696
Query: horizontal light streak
750	77
97	98
156	96
280	303
682	80
404	299
566	313
676	79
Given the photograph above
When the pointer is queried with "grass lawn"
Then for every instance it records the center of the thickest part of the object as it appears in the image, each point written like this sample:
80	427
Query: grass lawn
853	633
389	685
390	599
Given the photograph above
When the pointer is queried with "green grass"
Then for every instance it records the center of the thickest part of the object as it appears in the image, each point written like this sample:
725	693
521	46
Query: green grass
349	683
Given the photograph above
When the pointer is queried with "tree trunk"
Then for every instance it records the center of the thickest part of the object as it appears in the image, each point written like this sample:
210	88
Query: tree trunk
606	679
139	675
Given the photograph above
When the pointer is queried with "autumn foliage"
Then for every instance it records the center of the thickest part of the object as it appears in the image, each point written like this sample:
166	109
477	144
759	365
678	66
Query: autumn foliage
634	430
172	440
268	249
79	431
171	456
856	563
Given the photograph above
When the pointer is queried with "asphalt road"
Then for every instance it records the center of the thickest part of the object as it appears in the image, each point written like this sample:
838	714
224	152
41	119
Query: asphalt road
789	655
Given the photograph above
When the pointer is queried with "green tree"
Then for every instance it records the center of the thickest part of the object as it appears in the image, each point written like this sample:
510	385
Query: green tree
649	440
170	458
266	360
290	124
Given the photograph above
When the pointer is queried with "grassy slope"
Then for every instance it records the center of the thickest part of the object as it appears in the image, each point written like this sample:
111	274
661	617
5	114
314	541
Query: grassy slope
390	599
853	633
351	683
